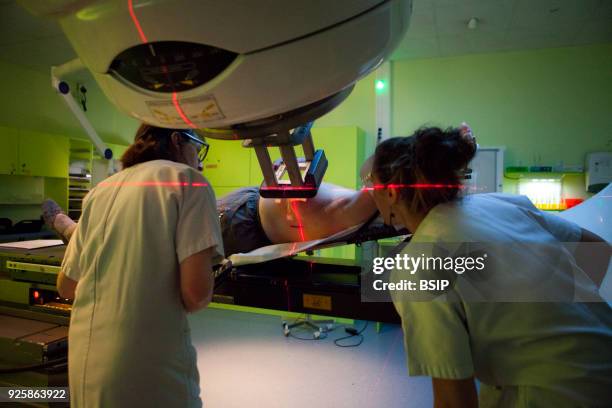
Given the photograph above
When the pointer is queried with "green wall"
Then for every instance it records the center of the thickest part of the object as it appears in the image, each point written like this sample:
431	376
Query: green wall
29	102
546	106
359	109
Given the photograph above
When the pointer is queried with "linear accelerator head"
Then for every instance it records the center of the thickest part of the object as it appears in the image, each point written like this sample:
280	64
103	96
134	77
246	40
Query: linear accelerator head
221	64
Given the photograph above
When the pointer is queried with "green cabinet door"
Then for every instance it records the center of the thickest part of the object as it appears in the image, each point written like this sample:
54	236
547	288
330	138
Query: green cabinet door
9	151
43	154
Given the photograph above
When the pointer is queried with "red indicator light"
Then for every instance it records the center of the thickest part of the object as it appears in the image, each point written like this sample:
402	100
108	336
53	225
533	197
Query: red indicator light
36	294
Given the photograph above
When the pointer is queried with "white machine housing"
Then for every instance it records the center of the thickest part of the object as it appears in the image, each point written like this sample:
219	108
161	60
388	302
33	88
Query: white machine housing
272	57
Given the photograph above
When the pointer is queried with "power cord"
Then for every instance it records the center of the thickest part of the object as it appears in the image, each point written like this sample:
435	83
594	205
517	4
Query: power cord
352	332
318	335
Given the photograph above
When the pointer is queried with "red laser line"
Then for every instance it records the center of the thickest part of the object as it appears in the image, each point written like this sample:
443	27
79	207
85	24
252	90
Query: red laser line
288	188
144	40
175	102
152	183
141	33
416	186
299	219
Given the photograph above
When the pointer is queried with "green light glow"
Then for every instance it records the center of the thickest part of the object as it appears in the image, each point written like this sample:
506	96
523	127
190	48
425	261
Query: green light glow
380	84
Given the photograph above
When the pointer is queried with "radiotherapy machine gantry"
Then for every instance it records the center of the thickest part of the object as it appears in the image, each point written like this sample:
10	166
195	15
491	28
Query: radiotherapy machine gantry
260	72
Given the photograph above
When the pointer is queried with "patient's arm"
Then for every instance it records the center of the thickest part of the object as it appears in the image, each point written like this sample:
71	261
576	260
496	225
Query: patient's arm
332	210
350	207
66	286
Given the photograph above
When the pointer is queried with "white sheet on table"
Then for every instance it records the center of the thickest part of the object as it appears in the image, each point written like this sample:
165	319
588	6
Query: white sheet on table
595	215
33	244
276	251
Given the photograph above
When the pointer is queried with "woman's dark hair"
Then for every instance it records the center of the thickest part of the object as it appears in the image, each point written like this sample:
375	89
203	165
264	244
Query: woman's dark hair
431	156
150	143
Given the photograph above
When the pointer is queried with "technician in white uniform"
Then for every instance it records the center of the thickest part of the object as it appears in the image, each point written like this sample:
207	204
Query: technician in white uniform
139	262
525	354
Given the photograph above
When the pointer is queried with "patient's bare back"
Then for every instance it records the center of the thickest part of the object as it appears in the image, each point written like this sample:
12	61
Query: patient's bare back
333	209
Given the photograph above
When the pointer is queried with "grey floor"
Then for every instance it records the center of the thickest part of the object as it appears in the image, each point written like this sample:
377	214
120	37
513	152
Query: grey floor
245	361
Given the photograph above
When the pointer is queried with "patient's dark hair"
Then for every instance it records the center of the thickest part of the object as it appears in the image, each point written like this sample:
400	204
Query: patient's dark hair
430	156
150	143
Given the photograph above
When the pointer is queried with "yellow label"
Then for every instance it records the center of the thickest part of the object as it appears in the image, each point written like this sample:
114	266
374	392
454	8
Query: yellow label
317	302
21	266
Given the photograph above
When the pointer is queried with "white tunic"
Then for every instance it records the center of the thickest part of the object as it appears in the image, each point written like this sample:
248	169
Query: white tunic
524	354
129	340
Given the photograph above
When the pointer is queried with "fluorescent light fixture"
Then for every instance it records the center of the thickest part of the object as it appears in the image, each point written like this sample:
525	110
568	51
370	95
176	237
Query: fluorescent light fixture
543	193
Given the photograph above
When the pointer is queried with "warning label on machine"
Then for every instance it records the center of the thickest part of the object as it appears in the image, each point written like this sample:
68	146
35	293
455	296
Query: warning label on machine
198	110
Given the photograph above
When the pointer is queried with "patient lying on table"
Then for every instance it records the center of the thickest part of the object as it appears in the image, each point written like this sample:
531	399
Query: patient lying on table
249	221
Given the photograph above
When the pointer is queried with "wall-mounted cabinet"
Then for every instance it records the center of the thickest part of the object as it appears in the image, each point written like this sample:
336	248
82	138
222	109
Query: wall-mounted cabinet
28	153
9	151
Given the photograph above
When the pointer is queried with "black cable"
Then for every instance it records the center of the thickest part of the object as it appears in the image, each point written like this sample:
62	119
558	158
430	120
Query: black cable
324	334
352	333
49	363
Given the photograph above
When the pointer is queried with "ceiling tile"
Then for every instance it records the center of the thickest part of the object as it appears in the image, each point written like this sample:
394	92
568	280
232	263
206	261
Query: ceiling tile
492	16
529	14
487	42
525	40
595	31
469	2
454	45
422	25
604	10
422	6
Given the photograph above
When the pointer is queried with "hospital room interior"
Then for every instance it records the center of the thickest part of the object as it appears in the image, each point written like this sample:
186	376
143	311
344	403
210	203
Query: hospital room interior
339	140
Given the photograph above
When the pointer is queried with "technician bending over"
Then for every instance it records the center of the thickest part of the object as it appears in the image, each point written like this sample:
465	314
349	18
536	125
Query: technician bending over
524	354
141	255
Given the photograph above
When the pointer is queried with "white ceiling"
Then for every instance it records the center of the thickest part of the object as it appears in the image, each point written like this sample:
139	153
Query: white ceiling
438	28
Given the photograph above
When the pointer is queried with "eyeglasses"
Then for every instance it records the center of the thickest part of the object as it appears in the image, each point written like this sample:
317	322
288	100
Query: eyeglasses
367	180
202	146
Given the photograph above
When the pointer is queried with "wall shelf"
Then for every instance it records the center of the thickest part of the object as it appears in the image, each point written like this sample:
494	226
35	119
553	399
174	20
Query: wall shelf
81	155
517	175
